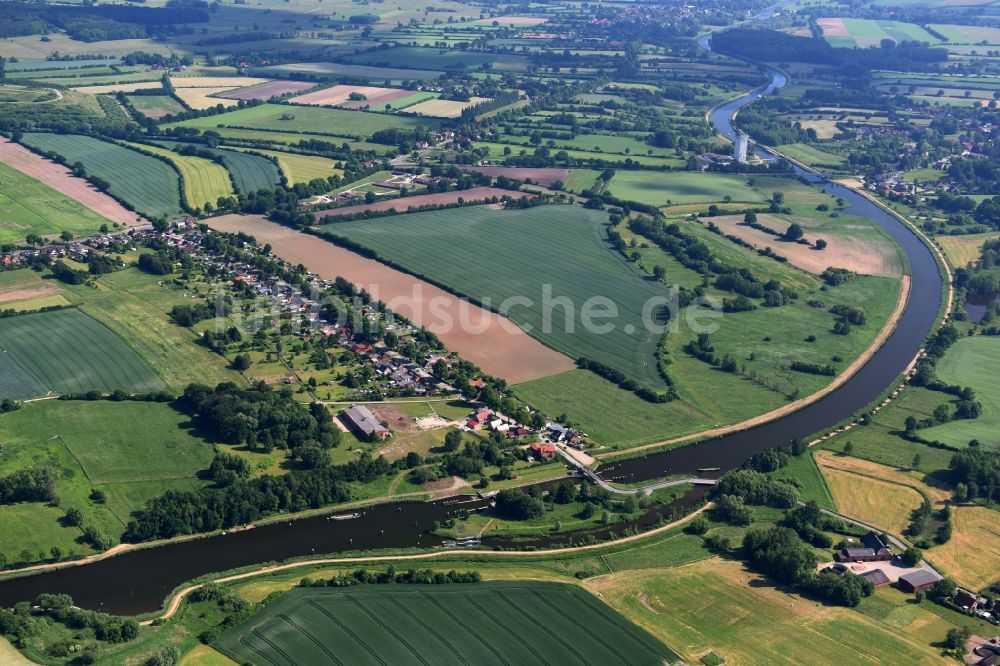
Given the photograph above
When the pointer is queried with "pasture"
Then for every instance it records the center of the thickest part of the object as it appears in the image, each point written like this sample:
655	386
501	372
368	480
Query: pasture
66	351
155	106
94	445
313	120
972	362
561	248
146	183
204	180
963	250
718	605
662	189
500	622
28	206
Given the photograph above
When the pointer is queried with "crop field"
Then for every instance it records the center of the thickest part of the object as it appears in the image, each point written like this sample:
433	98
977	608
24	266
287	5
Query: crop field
28	206
402	204
249	172
155	106
265	91
541	176
302	168
314	120
972	362
335	95
561	246
434	59
205	98
443	108
880	503
661	189
862	33
125	87
146	183
962	250
491	342
336	69
968	34
718	605
204	180
67	352
180	82
499	622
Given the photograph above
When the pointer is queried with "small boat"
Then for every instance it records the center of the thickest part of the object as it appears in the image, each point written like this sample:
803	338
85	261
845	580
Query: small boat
344	516
709	469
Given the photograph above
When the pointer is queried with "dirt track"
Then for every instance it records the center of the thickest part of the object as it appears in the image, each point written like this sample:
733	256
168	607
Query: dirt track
61	179
496	344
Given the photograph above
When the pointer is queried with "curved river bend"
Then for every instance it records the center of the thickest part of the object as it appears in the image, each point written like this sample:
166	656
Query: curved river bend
138	581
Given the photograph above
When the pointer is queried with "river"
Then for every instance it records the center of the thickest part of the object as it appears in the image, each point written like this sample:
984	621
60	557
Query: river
138	581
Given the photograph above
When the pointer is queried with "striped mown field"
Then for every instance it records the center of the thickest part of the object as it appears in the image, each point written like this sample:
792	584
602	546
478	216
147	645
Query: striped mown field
475	623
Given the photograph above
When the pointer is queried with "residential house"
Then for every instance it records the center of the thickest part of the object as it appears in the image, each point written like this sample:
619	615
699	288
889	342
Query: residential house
543	451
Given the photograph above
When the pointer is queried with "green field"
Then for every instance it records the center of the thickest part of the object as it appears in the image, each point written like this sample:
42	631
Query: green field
129	450
306	119
204	180
811	155
436	59
482	623
302	168
155	106
66	351
972	362
863	33
28	206
661	189
337	69
147	184
491	255
249	172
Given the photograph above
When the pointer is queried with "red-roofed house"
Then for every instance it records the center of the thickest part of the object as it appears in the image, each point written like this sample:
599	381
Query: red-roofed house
543	451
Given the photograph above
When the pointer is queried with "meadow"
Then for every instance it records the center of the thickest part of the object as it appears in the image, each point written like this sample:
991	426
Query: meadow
437	59
719	606
493	255
661	189
873	502
972	362
811	155
147	184
307	119
28	206
65	351
205	182
963	250
155	106
502	622
129	450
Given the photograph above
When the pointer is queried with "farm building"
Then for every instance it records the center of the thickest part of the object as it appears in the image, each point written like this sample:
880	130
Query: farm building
876	577
360	419
917	580
863	555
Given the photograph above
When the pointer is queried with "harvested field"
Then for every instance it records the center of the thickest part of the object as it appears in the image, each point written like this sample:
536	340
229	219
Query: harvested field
541	176
885	505
202	98
972	556
443	108
401	205
337	94
8	295
500	348
381	101
962	250
61	179
857	254
350	70
230	82
119	87
511	20
265	91
833	27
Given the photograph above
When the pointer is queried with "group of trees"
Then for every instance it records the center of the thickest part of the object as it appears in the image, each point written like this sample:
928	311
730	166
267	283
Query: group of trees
35	484
26	620
391	576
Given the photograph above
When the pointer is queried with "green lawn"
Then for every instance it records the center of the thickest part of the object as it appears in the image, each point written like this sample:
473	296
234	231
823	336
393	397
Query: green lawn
147	184
27	206
972	362
66	351
129	450
307	119
499	623
547	254
661	189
